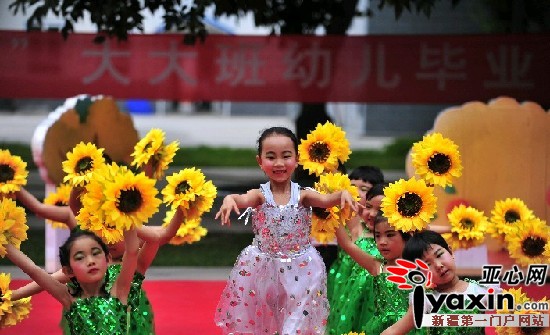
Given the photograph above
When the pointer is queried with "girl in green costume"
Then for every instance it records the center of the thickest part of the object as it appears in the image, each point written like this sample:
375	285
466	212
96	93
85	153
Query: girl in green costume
151	238
351	302
390	303
90	308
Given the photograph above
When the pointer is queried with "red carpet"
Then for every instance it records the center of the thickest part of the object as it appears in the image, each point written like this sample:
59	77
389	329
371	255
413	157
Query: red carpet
180	307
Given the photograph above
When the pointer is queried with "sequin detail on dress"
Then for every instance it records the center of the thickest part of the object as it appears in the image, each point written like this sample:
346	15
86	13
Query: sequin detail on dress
98	316
141	313
278	284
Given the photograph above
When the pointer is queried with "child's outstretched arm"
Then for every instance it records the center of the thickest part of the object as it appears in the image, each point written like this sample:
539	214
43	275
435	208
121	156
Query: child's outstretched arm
369	263
232	203
33	288
122	284
311	198
50	212
40	276
402	326
439	228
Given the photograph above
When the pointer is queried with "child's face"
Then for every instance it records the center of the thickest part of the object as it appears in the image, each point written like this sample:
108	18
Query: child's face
278	158
372	206
441	263
389	242
88	262
363	187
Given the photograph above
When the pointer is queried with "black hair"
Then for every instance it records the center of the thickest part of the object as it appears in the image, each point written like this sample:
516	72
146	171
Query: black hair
367	173
277	131
420	242
65	255
377	189
381	218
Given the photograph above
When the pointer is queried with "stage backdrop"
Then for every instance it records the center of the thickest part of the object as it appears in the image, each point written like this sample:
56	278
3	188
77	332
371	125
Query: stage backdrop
436	69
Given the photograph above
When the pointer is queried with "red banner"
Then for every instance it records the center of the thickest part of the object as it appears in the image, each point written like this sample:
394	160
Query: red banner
373	69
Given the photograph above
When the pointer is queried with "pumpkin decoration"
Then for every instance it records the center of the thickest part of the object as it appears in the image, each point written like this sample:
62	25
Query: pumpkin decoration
505	151
94	119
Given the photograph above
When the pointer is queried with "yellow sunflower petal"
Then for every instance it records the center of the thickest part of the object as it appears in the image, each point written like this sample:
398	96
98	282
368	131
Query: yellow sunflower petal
20	310
335	182
323	149
58	198
409	205
13	227
436	160
148	147
13	172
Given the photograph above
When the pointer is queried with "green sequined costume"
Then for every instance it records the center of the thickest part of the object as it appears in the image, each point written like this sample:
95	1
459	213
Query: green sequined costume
141	313
473	288
390	304
98	316
353	305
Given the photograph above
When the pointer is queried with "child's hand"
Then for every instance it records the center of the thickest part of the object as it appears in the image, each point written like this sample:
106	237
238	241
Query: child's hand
227	207
347	199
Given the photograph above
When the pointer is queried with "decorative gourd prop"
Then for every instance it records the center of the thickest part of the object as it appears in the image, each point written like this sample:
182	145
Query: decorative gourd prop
82	118
505	152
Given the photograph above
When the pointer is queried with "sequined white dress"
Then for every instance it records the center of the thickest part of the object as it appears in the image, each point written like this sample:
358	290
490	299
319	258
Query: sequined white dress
278	284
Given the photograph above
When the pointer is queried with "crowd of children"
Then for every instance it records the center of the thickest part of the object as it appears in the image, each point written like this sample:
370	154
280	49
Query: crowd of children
279	283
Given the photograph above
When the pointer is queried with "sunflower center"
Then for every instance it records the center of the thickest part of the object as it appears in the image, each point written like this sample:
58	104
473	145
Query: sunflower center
182	188
6	173
83	165
319	152
129	201
321	212
60	203
467	223
533	246
409	204
439	163
531	330
511	216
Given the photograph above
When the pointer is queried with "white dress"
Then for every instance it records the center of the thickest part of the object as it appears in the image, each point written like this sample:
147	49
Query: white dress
278	284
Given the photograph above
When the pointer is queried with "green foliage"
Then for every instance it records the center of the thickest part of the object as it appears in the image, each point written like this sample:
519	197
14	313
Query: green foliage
119	18
390	158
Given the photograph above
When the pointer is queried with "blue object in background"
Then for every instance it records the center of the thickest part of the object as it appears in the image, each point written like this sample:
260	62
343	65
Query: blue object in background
140	107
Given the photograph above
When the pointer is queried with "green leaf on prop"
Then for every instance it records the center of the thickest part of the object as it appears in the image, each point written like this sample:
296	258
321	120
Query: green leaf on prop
450	190
82	108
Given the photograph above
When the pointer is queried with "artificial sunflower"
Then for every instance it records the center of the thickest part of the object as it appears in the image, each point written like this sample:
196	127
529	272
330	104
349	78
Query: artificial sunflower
436	160
526	244
189	190
13	227
5	294
58	198
81	163
335	182
324	149
468	224
354	333
151	149
409	205
505	215
116	199
189	231
130	200
13	172
20	310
